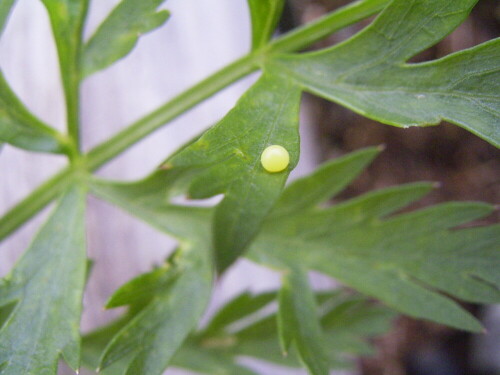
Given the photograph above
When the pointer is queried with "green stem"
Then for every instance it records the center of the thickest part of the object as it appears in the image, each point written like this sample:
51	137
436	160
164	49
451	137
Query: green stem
167	112
73	114
304	36
293	41
37	200
100	155
67	27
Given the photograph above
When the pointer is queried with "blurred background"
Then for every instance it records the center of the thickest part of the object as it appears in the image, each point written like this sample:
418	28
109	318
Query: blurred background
201	37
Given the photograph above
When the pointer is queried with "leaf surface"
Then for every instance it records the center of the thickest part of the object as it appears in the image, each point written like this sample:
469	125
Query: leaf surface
346	320
142	289
94	344
148	199
401	259
119	32
327	180
345	331
202	361
188	357
227	161
152	337
5	9
67	18
264	15
20	128
369	73
170	299
298	322
43	294
243	305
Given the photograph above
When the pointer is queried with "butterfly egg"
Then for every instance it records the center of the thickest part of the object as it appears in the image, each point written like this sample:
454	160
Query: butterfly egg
275	158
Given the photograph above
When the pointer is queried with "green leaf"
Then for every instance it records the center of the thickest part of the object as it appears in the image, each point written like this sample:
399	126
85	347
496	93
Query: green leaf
171	298
67	18
326	181
190	356
227	159
5	312
347	321
298	322
46	286
265	15
19	127
5	8
345	332
203	361
148	199
369	74
142	289
151	338
94	343
236	309
118	34
402	259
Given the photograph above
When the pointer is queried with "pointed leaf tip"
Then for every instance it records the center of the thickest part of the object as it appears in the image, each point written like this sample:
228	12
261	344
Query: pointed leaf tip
298	322
402	259
120	31
369	74
151	337
329	179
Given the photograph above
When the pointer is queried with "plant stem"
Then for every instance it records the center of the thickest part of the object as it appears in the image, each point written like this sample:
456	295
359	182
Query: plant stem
170	110
295	40
37	200
73	116
67	22
306	35
101	154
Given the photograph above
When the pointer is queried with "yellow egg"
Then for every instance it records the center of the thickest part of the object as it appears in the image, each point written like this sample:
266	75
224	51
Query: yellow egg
275	158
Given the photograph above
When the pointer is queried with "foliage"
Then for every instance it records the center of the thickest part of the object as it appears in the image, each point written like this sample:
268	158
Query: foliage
413	262
119	33
44	294
243	327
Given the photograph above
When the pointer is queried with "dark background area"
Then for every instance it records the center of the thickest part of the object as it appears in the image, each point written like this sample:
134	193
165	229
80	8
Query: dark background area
465	166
